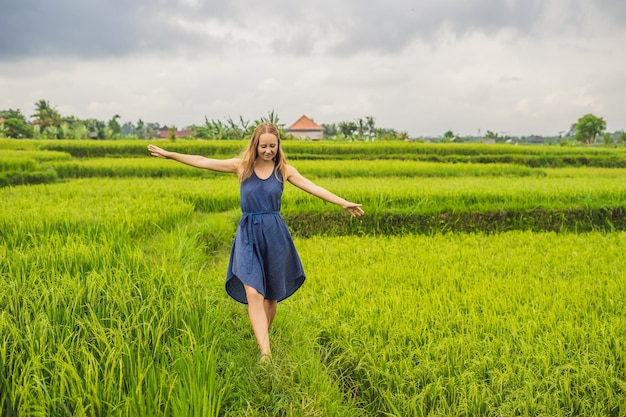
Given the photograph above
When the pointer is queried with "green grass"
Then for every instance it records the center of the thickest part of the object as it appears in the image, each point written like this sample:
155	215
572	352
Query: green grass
510	324
112	298
588	199
153	167
534	156
514	323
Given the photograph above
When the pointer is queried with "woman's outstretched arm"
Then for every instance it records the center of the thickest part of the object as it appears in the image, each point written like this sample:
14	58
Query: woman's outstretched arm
297	179
198	161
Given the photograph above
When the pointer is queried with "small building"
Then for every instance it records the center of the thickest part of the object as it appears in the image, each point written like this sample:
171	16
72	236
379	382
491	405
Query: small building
164	133
536	139
305	128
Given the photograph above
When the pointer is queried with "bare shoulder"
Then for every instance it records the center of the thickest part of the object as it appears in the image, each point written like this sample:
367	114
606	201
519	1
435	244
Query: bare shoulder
290	171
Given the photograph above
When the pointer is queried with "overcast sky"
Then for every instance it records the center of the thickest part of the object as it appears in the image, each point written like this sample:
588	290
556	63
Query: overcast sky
516	67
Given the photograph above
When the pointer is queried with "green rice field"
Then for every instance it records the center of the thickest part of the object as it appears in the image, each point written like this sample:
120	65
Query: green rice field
491	286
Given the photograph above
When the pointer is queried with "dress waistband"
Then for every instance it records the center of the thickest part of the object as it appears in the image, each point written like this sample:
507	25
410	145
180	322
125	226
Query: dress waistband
249	213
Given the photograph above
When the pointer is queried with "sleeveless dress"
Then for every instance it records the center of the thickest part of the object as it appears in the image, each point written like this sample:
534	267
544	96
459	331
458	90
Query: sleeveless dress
263	254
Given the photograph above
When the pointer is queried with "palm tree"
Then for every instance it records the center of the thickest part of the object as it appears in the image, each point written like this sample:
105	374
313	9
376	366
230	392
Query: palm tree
371	126
45	115
360	123
114	127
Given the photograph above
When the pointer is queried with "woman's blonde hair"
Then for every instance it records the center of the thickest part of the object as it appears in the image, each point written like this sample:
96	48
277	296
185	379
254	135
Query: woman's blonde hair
249	155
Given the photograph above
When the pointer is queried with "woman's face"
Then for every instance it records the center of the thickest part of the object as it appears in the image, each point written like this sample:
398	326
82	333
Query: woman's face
268	146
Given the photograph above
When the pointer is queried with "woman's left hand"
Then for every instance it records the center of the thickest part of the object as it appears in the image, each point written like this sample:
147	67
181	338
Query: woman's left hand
354	209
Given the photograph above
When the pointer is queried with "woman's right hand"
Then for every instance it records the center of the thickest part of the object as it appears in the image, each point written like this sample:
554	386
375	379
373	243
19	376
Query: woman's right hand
156	151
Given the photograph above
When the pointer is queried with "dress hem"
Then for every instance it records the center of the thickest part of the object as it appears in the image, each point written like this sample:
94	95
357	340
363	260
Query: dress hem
239	283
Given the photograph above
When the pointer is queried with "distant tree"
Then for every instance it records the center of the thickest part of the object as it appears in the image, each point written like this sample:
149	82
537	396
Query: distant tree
330	130
115	130
371	126
15	125
621	137
588	128
491	135
361	126
607	138
151	130
218	130
96	128
403	136
46	115
448	136
128	129
79	131
231	128
571	133
272	117
140	129
347	128
390	134
247	128
50	132
171	135
64	131
203	131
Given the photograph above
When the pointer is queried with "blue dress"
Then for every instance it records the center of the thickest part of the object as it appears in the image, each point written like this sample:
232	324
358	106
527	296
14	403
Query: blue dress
263	254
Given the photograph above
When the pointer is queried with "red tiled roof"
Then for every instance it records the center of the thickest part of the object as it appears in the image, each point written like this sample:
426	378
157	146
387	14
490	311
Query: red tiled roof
304	123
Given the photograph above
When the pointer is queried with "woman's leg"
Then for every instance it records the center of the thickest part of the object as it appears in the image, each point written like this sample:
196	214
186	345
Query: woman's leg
259	319
270	311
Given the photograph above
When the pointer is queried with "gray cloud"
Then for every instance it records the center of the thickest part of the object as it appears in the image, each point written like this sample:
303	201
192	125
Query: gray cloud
40	28
113	28
390	26
425	66
616	9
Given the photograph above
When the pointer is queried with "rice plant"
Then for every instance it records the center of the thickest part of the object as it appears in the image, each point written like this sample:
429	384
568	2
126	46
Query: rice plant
509	324
112	299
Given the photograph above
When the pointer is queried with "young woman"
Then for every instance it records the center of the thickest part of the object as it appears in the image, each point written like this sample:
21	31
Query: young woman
264	266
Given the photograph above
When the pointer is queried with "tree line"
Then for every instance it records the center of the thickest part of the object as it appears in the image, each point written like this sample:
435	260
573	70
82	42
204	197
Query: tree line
48	123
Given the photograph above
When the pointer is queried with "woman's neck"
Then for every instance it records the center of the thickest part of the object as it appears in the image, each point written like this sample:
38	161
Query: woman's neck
263	169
